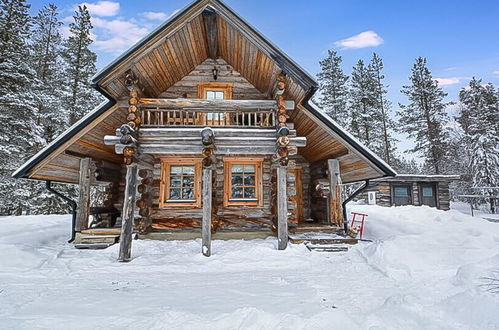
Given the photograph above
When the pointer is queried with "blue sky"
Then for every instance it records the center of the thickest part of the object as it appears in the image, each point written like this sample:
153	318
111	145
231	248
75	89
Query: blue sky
459	38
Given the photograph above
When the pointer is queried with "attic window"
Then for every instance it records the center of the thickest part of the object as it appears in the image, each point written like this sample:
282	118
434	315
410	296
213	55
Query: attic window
215	91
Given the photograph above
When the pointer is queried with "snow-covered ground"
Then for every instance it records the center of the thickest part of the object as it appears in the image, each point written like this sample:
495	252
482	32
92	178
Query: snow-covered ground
424	270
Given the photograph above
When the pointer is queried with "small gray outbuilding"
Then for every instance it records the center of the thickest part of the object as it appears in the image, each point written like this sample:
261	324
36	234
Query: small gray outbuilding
411	189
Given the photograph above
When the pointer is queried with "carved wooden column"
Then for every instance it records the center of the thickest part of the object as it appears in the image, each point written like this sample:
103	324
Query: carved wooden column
208	141
87	169
282	209
335	206
127	215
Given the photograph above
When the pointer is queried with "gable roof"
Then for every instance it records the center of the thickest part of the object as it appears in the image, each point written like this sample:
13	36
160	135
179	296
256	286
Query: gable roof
234	31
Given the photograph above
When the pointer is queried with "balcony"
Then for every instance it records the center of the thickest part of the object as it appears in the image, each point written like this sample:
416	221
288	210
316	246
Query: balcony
200	113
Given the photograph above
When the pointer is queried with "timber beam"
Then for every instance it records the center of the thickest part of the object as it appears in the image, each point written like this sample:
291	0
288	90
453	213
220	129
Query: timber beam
211	27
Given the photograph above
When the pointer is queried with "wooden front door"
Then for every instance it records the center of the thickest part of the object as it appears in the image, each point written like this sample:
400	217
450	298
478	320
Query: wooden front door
428	195
297	200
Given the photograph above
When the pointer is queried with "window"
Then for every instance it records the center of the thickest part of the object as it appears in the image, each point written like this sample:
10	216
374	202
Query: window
427	191
180	182
215	91
243	181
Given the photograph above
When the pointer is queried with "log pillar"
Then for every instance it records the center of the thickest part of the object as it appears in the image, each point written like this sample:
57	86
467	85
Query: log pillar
207	194
85	182
127	216
282	209
335	210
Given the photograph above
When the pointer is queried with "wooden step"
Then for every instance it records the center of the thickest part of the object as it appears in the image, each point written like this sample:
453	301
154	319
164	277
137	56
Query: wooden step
83	238
102	231
93	246
321	238
316	229
327	247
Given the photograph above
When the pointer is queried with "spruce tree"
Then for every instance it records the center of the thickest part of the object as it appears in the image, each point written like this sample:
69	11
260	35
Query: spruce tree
363	116
382	106
80	66
46	43
333	88
19	133
480	116
424	117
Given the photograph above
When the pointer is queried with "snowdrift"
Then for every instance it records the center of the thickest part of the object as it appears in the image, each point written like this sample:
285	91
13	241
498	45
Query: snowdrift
423	270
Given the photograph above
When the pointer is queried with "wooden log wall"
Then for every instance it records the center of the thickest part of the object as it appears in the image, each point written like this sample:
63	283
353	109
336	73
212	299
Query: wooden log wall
229	218
187	87
443	193
143	222
292	183
319	205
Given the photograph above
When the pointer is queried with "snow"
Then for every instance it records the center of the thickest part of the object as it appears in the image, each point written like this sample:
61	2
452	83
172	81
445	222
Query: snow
423	270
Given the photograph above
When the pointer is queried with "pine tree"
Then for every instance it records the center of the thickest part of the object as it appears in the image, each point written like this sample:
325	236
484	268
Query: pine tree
19	134
363	116
424	117
333	88
382	106
480	116
80	66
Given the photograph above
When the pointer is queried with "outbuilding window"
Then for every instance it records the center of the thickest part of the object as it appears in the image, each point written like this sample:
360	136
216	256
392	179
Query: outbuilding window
243	181
180	182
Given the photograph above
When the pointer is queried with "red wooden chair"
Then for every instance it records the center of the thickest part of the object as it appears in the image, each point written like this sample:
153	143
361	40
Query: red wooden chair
360	222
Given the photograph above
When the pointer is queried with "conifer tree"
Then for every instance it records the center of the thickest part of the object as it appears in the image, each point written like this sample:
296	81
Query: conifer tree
333	88
363	117
46	43
480	117
19	133
80	66
424	117
382	106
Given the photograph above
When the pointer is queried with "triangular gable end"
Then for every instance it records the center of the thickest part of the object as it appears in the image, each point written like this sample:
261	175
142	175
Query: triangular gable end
204	29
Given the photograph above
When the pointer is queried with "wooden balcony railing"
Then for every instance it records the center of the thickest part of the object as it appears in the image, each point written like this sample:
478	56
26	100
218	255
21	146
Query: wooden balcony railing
196	112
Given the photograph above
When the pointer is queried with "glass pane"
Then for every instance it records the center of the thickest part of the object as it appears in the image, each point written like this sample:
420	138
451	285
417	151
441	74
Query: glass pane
249	169
189	170
237	180
237	192
175	193
237	168
427	192
174	181
249	180
175	169
249	193
188	181
219	95
401	192
188	193
210	95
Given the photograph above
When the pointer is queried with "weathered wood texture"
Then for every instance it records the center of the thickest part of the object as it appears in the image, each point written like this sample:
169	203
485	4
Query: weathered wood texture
282	209
128	214
335	206
207	201
187	87
83	212
384	191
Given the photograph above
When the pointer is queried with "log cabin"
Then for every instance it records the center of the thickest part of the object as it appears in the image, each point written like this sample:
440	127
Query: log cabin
208	130
411	189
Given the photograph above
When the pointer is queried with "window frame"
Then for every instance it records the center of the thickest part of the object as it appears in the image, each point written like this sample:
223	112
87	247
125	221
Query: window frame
164	190
203	88
228	162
